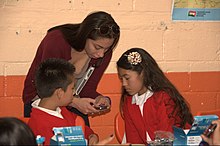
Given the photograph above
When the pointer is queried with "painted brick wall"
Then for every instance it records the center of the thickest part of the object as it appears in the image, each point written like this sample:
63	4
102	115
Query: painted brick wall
201	90
188	52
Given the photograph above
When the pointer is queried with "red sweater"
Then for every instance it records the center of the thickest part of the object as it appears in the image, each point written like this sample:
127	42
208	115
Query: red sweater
155	117
42	123
55	46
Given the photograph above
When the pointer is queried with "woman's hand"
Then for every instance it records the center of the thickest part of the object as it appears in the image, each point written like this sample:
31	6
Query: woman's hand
84	105
91	106
103	101
215	138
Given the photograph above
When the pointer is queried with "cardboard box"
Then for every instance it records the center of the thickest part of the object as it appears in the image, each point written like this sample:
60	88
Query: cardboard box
193	136
68	136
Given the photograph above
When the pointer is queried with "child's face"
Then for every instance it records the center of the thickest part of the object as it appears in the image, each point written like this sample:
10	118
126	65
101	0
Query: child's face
132	81
68	95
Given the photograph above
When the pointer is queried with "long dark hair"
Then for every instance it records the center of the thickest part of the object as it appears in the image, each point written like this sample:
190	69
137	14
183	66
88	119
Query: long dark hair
15	132
155	80
76	34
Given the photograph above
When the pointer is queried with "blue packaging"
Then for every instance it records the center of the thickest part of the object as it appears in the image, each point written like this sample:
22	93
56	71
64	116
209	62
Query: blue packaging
193	136
64	136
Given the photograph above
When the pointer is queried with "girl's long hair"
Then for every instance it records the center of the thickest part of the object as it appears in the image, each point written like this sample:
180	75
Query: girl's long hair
155	80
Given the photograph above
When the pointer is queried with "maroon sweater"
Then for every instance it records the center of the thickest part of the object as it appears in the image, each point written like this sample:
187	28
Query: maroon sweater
55	46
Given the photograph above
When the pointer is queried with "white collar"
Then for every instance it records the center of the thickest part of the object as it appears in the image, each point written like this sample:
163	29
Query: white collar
140	100
56	113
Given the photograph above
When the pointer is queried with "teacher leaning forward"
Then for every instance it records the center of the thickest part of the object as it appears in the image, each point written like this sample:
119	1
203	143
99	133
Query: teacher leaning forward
88	46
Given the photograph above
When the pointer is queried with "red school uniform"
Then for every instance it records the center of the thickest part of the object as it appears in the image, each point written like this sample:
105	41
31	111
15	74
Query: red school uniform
42	123
155	117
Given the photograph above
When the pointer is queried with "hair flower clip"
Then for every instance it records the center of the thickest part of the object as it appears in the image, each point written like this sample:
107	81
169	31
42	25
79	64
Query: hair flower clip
134	58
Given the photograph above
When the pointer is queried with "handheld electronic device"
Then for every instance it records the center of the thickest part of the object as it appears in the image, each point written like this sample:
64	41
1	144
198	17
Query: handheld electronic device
209	130
101	107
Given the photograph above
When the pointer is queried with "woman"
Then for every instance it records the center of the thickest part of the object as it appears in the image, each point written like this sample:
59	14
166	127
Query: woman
149	101
86	45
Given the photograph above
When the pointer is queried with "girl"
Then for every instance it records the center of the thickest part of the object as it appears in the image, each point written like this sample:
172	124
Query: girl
149	101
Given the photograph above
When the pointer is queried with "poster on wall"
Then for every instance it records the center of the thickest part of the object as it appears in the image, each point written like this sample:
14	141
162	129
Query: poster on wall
196	10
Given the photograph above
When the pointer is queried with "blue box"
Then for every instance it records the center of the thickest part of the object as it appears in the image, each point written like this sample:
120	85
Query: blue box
64	136
193	136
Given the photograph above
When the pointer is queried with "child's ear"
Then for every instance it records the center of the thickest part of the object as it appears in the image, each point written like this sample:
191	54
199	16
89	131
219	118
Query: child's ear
59	93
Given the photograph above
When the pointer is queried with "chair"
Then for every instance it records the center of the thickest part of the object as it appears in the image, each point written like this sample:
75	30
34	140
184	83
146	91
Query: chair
119	127
210	112
80	122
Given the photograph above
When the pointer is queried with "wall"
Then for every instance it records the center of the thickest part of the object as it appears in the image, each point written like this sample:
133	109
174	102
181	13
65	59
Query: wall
187	52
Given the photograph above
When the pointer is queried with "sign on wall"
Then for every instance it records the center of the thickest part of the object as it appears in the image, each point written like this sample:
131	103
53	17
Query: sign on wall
196	10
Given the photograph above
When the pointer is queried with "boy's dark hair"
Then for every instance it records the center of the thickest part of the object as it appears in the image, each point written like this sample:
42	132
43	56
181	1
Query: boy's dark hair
15	132
52	74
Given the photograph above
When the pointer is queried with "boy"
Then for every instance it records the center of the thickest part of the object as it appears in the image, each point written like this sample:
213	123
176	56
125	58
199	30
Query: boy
55	86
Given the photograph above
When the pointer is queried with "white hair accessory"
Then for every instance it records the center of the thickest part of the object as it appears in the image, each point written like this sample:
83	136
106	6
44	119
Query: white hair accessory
134	58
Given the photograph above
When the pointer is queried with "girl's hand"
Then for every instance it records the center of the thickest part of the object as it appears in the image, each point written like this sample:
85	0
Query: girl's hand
94	140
